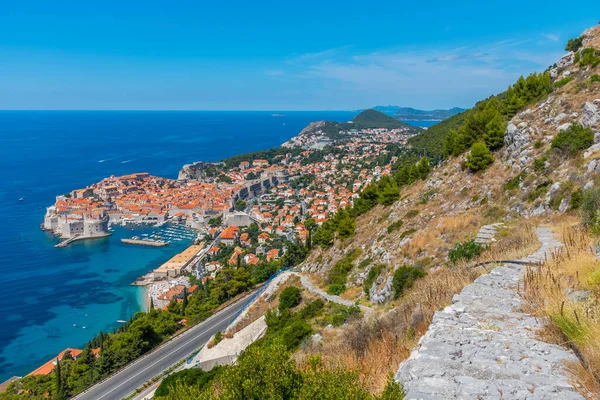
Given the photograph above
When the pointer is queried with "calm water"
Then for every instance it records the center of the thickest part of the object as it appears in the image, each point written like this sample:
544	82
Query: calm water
49	295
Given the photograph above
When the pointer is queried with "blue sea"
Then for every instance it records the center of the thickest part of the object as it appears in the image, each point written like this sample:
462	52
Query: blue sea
58	298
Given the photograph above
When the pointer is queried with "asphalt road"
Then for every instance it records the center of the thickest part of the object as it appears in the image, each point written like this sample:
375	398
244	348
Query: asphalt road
141	371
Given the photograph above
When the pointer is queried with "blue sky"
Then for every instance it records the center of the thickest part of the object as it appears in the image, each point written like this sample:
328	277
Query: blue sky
267	55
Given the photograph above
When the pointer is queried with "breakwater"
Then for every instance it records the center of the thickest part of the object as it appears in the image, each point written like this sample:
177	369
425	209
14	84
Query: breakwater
145	242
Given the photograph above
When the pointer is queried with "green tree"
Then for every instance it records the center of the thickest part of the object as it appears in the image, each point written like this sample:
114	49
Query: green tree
240	205
480	157
495	130
388	191
261	373
60	384
451	144
346	227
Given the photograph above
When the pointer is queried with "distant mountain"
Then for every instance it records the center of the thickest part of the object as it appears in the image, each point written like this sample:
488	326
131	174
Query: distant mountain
409	113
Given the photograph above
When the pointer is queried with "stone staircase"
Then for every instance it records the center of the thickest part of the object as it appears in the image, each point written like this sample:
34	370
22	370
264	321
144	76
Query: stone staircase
482	347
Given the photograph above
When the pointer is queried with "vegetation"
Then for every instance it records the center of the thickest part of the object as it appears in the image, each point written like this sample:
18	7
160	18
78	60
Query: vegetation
479	158
573	140
374	119
336	289
590	205
338	274
486	121
571	320
404	277
187	377
395	226
563	81
465	251
590	57
371	276
289	297
574	44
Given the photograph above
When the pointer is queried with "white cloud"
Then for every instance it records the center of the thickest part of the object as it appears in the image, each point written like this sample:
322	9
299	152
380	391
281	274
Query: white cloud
431	78
551	36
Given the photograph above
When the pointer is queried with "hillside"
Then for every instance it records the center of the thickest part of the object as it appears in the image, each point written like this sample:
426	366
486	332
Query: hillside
543	169
369	119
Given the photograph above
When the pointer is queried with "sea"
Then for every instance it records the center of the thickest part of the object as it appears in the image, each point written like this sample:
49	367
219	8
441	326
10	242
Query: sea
55	298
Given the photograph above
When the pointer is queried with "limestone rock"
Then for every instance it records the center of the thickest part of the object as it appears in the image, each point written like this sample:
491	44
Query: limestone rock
590	116
515	138
566	60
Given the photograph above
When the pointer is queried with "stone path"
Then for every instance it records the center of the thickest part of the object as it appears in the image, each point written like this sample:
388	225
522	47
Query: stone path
480	347
336	299
487	233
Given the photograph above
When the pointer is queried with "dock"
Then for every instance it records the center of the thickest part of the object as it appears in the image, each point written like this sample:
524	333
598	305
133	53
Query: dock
145	242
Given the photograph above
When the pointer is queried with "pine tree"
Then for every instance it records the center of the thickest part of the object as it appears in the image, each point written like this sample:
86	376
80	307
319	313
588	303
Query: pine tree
479	158
450	143
496	128
151	303
423	168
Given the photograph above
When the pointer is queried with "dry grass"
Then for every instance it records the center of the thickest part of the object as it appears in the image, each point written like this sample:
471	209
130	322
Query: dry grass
573	322
375	348
512	244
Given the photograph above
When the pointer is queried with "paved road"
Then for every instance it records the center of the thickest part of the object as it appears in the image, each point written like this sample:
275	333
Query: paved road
154	363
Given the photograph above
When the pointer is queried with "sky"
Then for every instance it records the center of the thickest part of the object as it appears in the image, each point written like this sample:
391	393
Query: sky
275	55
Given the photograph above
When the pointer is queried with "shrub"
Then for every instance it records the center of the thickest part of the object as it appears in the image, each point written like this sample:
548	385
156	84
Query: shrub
465	251
539	165
312	309
394	226
563	82
373	274
341	313
539	190
404	277
574	44
573	140
407	233
594	78
480	157
218	337
188	377
339	272
294	333
513	183
576	199
589	56
411	214
289	297
590	205
336	289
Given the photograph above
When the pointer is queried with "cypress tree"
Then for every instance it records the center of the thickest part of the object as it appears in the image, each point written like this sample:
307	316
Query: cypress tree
60	385
185	301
